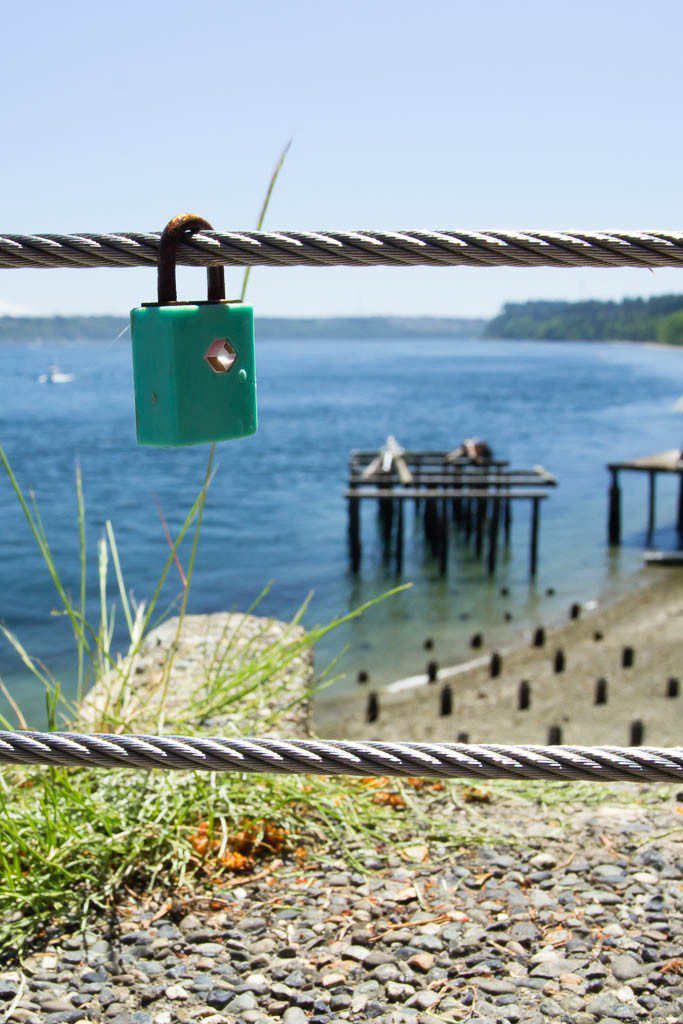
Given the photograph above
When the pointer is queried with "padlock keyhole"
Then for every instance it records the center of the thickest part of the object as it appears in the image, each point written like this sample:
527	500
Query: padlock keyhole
221	356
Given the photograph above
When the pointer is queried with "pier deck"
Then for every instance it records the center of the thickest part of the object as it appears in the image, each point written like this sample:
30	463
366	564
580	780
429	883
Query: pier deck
652	465
449	493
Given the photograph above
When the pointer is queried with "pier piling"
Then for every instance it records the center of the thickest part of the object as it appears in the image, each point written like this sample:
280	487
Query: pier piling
399	537
493	537
670	462
354	534
614	518
443	538
651	503
454	496
533	553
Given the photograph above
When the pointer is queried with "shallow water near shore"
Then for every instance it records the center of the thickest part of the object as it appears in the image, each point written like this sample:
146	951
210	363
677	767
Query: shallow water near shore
276	509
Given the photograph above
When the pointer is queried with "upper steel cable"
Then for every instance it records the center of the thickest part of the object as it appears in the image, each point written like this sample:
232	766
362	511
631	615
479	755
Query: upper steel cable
353	249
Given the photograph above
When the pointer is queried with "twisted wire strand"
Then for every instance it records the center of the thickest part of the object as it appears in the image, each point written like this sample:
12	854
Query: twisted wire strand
344	757
353	249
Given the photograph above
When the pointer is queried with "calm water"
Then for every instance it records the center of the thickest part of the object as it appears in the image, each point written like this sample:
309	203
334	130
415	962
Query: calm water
276	510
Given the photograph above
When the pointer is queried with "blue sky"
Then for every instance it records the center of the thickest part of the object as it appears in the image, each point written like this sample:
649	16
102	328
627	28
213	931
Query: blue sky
475	115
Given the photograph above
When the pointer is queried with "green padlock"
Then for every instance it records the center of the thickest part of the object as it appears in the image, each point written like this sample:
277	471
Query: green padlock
193	362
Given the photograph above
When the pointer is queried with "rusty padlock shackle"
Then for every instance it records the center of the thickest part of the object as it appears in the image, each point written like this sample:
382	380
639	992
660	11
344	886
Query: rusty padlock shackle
181	227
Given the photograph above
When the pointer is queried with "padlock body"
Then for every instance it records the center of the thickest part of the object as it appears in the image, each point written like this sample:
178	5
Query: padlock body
180	398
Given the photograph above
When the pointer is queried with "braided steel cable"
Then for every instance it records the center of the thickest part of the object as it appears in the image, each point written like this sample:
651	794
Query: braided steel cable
344	757
353	249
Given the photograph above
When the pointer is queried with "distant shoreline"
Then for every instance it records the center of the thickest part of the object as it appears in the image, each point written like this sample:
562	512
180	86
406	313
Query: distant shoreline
654	321
107	328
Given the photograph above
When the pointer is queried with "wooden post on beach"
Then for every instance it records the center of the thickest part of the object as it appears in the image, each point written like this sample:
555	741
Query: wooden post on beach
354	533
524	696
628	655
601	691
651	502
493	536
636	733
533	551
554	735
614	523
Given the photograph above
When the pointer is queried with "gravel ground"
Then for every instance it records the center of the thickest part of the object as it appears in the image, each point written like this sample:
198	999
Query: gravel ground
571	911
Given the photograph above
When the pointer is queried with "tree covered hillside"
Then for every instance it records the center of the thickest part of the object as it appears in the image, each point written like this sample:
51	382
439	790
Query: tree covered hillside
656	319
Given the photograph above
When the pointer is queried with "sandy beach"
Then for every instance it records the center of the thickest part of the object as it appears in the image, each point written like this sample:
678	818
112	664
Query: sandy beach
562	677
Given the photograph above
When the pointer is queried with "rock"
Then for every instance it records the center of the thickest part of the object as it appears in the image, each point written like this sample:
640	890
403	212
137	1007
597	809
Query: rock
8	988
494	986
376	957
295	979
386	972
625	967
218	998
244	1001
430	943
543	860
251	924
210	949
56	1006
607	1005
294	1016
424	999
553	968
176	992
332	979
338	879
257	983
397	992
406	895
421	962
358	953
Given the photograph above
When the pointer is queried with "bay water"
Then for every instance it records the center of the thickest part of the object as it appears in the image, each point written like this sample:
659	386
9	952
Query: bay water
276	510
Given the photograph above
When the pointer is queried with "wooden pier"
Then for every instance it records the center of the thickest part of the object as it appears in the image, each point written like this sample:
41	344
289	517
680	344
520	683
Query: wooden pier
651	465
451	494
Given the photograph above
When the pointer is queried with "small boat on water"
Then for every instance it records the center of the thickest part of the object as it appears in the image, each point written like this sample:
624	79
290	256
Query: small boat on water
55	376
